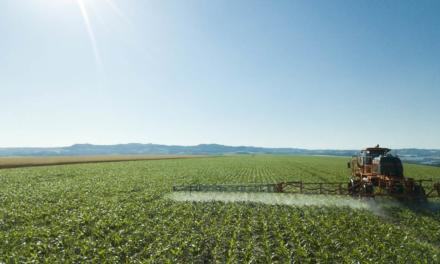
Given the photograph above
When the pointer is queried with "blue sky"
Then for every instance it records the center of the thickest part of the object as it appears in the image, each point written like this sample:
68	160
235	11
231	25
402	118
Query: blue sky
313	74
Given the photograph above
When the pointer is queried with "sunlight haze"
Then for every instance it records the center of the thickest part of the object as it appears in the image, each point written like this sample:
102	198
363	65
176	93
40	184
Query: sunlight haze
309	74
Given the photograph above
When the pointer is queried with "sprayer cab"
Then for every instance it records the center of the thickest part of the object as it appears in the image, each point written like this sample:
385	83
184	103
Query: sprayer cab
376	161
376	171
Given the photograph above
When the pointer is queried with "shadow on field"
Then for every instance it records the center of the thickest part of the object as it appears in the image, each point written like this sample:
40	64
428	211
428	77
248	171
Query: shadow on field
429	207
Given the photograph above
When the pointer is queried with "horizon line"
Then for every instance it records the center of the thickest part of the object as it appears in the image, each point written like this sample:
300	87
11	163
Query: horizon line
195	145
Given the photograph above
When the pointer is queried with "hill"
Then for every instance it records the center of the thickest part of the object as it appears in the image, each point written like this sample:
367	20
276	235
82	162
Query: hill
422	156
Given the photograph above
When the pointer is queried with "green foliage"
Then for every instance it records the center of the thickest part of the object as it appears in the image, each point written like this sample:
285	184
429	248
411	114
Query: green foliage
117	212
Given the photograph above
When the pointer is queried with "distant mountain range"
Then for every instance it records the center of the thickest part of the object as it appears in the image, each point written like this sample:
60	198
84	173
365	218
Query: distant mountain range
423	156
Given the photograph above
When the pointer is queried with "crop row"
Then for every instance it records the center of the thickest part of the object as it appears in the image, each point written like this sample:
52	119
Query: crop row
118	212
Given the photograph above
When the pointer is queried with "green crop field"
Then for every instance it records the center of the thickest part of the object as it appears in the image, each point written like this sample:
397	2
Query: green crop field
121	212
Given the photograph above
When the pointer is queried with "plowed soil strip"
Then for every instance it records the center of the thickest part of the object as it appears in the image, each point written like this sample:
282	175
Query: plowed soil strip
18	162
